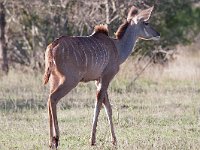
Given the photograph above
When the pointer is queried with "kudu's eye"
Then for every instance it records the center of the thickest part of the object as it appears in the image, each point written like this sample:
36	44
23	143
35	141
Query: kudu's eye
146	23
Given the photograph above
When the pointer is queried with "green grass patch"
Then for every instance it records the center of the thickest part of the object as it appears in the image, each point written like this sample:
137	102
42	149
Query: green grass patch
147	114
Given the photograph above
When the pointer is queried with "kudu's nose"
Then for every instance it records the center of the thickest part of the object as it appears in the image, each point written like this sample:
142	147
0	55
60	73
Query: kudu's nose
157	36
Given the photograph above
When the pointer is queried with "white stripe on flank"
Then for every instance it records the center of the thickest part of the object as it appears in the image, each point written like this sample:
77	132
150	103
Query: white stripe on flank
91	51
106	54
101	50
104	58
83	49
76	57
86	59
67	49
74	52
77	50
63	53
96	52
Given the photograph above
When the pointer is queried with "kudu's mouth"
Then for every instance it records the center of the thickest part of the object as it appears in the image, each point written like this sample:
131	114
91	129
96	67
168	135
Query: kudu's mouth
156	38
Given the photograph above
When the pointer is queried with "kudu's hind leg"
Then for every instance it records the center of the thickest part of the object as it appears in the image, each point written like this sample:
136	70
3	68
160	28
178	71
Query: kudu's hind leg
54	97
98	104
53	85
108	109
50	124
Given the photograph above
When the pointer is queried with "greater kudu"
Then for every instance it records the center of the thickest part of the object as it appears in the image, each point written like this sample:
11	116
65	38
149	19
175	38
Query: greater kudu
70	60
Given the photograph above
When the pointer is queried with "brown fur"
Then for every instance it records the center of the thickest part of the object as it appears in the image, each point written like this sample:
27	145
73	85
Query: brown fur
121	30
70	60
101	29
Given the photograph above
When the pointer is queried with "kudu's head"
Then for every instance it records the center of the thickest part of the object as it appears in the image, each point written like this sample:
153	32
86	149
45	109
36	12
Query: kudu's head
139	21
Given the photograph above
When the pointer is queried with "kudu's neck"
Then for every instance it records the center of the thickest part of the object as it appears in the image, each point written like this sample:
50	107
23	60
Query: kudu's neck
126	44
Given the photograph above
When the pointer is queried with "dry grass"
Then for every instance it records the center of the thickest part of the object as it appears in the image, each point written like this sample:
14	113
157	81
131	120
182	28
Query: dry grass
184	66
158	111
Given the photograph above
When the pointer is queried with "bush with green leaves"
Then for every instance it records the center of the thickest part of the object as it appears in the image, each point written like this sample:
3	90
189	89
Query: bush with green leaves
31	26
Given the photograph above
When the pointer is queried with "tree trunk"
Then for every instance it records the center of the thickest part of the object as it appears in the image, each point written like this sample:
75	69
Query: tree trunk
3	46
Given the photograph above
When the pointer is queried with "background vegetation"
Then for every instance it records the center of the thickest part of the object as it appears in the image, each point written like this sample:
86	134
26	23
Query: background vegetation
32	25
159	110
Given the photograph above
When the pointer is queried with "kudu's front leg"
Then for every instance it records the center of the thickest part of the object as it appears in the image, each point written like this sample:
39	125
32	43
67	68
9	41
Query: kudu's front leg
108	109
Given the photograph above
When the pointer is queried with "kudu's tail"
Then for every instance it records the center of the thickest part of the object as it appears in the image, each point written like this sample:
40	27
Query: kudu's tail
48	64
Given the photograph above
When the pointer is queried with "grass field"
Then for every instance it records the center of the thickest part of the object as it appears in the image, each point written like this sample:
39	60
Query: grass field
155	112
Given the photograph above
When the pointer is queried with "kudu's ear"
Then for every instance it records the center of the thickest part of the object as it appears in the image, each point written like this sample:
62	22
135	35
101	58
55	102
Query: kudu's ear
145	14
132	13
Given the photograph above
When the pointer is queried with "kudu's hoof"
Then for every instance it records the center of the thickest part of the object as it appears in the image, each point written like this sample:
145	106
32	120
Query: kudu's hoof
114	142
54	143
93	143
